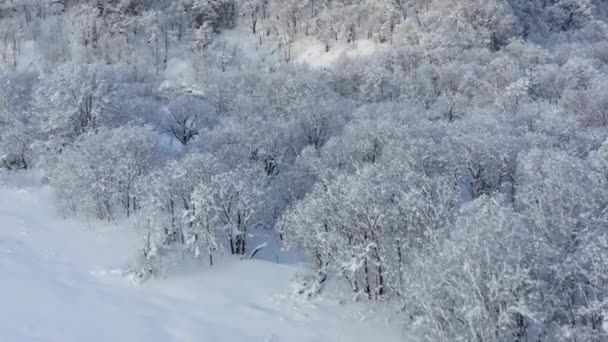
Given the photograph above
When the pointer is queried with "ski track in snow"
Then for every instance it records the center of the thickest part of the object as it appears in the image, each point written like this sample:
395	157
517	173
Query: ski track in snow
60	281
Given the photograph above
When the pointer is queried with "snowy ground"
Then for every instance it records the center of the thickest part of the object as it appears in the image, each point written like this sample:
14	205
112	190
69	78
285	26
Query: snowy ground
57	284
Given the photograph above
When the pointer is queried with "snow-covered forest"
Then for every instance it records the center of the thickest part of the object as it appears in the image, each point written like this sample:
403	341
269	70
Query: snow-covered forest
445	159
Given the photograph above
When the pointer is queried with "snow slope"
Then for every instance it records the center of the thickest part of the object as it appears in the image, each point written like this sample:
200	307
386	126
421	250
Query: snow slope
57	284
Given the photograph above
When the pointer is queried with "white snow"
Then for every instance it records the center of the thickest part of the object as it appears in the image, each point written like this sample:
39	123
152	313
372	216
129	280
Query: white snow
179	73
312	51
305	50
60	280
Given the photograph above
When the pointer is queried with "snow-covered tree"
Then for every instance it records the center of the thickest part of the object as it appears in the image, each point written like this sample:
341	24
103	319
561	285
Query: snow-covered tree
475	285
17	132
78	99
185	116
98	173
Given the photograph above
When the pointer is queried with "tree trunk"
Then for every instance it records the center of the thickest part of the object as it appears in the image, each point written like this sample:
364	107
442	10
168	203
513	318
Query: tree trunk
367	287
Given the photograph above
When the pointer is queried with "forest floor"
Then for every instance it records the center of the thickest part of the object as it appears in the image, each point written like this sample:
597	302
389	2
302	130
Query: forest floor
63	281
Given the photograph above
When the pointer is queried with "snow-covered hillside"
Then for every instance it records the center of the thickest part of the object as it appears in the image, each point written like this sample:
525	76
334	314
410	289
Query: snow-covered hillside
443	163
61	282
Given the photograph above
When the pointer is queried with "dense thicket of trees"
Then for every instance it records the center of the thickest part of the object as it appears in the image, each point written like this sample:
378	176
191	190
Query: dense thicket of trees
459	173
